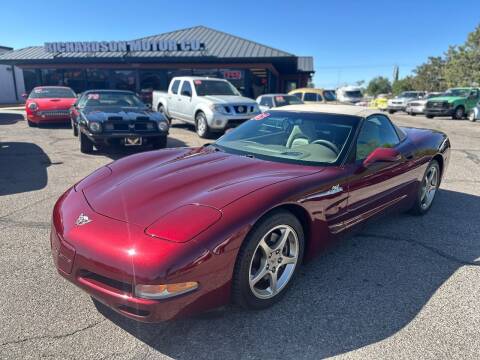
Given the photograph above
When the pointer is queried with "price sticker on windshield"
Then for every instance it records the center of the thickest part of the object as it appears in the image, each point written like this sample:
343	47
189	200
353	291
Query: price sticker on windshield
261	116
93	96
279	98
197	82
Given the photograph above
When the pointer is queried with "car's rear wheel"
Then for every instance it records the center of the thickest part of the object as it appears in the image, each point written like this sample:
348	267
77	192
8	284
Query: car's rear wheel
459	113
427	189
471	116
159	143
86	146
429	116
268	261
201	125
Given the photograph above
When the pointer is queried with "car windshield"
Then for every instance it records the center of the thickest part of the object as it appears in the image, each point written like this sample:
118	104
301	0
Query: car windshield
214	87
429	96
41	93
329	95
408	94
457	92
121	99
354	93
282	100
293	137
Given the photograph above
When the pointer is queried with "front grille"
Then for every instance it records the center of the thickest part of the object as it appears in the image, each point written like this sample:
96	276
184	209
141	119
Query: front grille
415	104
130	126
105	281
437	105
240	109
54	113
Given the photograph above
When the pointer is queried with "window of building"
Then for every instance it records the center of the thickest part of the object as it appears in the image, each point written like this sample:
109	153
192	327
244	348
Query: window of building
97	79
75	79
377	131
52	77
30	78
125	80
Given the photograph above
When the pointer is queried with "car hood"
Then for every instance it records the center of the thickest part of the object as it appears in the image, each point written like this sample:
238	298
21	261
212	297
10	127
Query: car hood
53	103
229	99
447	98
128	113
142	188
419	102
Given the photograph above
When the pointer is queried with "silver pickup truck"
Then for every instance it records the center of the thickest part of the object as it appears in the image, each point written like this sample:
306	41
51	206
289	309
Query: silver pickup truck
212	105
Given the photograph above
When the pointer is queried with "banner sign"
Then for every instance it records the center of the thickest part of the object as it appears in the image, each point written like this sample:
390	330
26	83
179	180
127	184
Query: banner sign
124	46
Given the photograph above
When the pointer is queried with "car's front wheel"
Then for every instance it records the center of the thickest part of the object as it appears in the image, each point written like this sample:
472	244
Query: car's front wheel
201	125
459	113
268	261
86	146
428	189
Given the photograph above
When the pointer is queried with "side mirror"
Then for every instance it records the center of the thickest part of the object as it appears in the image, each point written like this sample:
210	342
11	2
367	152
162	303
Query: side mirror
24	96
381	155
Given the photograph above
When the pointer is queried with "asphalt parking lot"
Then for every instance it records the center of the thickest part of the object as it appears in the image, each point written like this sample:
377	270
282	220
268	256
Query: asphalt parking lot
402	287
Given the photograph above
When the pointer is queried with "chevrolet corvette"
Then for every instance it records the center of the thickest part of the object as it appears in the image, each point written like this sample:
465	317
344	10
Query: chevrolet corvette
169	233
49	104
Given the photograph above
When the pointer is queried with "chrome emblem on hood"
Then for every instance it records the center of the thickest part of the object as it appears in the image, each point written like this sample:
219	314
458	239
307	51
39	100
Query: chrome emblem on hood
82	220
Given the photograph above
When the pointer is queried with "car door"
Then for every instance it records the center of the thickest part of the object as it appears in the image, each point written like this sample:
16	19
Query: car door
380	185
472	100
173	99
185	103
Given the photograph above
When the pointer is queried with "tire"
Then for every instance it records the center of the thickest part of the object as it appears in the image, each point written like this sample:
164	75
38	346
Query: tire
253	260
413	114
75	129
86	146
159	143
429	116
31	124
161	109
459	113
424	200
201	125
391	111
471	116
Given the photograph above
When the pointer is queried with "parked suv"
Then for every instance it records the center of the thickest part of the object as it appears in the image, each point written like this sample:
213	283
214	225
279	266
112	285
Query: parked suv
456	102
211	104
399	102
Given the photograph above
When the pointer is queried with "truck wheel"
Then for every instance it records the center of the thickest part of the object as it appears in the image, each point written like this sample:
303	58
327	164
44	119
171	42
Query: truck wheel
391	111
429	116
161	109
459	113
159	143
86	146
201	125
471	116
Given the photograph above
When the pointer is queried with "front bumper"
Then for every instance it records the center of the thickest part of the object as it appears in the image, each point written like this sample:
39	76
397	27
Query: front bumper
219	121
420	109
439	111
107	258
35	118
396	107
117	137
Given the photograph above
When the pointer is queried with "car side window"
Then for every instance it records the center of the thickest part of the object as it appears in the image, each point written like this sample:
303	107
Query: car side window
175	86
310	97
263	101
377	131
298	95
186	88
269	101
474	93
82	101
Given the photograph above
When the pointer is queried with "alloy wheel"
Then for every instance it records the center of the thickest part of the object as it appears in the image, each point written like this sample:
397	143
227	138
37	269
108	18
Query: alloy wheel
429	187
274	261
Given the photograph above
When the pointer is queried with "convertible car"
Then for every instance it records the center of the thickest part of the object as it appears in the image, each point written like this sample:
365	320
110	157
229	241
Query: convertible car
164	234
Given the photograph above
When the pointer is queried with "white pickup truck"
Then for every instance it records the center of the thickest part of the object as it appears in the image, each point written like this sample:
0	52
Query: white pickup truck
212	105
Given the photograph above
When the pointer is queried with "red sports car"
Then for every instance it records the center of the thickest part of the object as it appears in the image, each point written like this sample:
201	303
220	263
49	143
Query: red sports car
167	233
47	104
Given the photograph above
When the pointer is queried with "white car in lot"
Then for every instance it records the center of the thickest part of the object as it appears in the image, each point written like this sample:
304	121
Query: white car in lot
474	114
269	101
399	102
417	106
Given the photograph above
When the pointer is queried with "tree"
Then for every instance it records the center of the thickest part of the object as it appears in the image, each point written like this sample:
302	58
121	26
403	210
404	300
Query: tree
405	84
379	85
430	76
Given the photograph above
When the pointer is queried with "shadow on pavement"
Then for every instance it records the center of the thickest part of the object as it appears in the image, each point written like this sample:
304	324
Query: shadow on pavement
23	167
10	118
361	291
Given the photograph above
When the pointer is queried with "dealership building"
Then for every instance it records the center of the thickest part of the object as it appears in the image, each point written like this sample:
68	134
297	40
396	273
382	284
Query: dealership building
149	63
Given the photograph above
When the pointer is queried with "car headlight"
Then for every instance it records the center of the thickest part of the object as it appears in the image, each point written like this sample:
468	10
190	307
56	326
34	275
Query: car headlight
163	126
222	109
95	126
33	106
164	291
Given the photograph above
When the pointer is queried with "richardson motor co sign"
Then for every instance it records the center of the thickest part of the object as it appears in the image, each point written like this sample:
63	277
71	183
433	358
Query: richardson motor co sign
124	46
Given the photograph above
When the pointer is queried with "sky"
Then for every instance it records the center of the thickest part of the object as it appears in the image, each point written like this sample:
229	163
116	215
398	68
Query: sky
349	40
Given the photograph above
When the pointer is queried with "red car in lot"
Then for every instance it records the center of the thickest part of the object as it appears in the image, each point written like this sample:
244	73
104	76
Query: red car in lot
49	104
168	233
